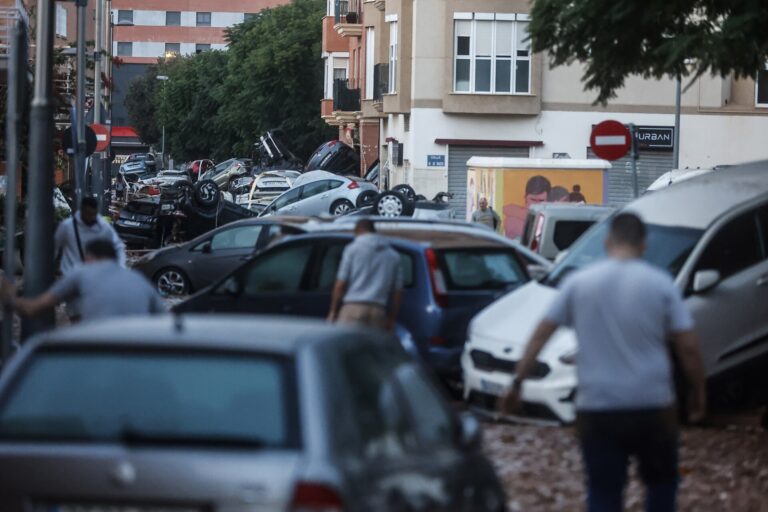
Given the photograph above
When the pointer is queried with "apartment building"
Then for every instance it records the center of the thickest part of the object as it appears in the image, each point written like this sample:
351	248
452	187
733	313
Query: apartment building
452	79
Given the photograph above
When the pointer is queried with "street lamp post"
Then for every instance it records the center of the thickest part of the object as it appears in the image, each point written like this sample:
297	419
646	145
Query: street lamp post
163	78
80	103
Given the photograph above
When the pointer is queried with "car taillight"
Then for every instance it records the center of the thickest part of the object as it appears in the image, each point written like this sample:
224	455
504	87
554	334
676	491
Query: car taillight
353	185
439	291
314	497
153	191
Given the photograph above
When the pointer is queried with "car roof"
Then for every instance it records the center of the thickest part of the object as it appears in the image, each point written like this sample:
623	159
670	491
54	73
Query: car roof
699	201
416	238
311	176
273	334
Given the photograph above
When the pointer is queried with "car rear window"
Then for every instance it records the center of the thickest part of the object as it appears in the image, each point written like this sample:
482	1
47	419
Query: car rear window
481	269
568	231
153	396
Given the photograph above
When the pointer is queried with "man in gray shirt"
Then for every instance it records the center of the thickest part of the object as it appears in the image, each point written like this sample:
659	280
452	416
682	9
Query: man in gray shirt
485	215
624	312
104	287
369	281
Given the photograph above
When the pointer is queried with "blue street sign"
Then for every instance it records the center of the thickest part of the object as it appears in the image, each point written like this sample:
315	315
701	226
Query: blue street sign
435	160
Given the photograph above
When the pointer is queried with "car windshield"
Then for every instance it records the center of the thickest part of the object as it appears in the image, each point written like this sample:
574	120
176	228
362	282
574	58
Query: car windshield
481	269
668	247
154	396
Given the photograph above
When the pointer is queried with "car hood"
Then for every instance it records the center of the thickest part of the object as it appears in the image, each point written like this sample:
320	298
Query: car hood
509	323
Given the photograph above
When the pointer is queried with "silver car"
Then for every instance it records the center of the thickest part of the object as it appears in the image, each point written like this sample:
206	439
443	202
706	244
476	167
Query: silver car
320	193
167	414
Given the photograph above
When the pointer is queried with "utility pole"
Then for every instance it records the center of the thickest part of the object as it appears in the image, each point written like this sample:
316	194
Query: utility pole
17	86
80	103
678	100
38	254
97	159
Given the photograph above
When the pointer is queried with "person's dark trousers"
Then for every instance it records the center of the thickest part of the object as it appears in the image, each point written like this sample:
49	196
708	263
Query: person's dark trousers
610	438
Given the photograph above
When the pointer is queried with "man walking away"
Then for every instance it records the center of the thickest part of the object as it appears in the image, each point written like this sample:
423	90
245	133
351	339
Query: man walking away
74	234
624	312
369	281
104	287
485	215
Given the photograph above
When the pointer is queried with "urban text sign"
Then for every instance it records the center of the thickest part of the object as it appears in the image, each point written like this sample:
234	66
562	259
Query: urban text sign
655	137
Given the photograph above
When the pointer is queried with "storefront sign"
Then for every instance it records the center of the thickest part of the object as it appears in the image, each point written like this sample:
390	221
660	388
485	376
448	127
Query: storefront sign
435	160
656	137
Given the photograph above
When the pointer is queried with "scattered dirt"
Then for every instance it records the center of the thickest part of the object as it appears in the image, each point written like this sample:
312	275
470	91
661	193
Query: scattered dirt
724	467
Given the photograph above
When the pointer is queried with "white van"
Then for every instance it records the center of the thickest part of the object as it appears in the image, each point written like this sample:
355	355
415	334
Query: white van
711	234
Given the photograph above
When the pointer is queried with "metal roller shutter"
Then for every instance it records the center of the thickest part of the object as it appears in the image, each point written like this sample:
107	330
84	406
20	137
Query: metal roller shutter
457	169
650	166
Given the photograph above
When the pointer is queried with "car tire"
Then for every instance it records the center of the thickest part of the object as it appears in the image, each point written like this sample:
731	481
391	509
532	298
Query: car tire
406	190
171	282
366	198
391	204
206	194
341	207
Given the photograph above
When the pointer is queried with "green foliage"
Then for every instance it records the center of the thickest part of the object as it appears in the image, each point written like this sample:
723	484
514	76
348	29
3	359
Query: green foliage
216	104
140	104
654	38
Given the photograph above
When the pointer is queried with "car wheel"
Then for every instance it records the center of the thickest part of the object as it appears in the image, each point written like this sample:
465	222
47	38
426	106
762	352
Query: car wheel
366	198
406	190
391	204
341	207
206	194
171	282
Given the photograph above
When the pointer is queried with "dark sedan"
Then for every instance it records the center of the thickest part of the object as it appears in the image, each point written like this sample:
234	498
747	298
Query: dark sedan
191	266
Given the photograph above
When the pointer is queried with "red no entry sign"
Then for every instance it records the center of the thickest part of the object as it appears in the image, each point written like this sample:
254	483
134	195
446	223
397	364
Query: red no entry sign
102	137
610	140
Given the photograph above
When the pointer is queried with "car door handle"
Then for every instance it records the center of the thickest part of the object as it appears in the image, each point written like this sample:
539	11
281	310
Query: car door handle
762	280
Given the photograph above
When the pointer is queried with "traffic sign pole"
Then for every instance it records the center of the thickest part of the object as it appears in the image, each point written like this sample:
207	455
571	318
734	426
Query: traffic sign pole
635	156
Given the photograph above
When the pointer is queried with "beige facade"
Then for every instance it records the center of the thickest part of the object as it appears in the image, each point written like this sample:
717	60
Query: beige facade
434	107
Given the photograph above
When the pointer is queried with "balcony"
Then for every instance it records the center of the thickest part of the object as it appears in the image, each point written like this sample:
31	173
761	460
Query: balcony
344	98
348	18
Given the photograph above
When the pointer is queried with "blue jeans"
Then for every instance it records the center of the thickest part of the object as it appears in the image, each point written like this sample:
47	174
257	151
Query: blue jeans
608	440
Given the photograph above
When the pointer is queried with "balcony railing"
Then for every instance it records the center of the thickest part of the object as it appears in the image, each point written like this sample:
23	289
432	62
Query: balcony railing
347	11
380	81
8	17
344	98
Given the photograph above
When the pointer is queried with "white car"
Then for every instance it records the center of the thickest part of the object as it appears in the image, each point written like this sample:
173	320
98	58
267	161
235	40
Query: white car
320	193
711	234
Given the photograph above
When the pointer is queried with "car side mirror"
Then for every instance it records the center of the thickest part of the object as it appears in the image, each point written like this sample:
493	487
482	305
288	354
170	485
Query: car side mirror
470	432
206	248
537	272
704	280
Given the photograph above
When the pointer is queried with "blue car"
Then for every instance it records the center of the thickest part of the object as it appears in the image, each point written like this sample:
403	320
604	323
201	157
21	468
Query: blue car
448	278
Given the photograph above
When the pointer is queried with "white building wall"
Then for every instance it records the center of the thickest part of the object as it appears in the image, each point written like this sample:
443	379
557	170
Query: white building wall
226	19
149	18
189	19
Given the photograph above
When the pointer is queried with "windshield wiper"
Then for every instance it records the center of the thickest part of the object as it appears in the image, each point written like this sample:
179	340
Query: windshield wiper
132	436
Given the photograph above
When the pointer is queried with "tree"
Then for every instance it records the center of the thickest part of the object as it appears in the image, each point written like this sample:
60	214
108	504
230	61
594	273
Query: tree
189	102
654	38
141	106
275	78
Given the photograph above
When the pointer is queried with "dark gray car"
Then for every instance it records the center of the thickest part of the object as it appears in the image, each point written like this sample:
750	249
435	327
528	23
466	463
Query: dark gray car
191	266
166	414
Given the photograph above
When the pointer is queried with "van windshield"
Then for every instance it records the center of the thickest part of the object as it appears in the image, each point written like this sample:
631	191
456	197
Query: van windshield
668	248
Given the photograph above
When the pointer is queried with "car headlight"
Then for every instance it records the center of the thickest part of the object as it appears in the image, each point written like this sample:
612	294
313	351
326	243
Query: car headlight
569	357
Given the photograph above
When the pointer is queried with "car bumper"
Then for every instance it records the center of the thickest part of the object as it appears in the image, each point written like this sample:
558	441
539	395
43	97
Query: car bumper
548	399
445	361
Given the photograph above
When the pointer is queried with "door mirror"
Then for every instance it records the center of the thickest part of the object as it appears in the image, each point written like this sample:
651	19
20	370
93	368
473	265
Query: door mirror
470	433
537	272
704	280
206	248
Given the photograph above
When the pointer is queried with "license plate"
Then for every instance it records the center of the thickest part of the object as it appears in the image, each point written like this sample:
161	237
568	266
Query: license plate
492	388
132	223
166	207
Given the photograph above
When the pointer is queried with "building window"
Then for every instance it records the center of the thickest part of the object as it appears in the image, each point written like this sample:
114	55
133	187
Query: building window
124	49
369	58
172	50
339	73
200	48
392	57
173	19
203	19
761	87
492	55
249	16
124	17
61	21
